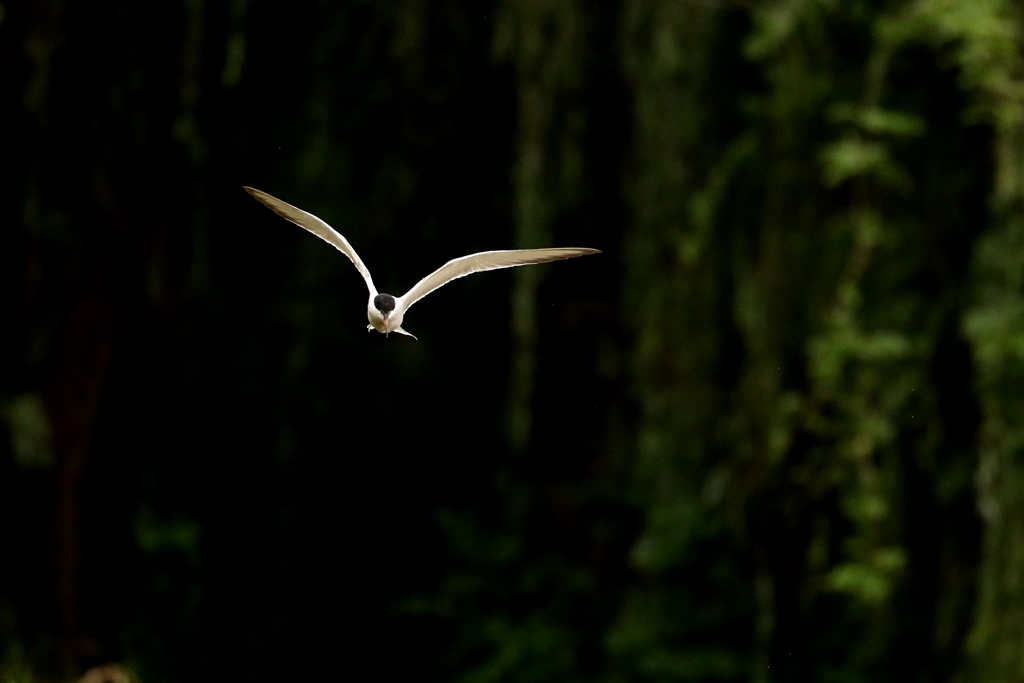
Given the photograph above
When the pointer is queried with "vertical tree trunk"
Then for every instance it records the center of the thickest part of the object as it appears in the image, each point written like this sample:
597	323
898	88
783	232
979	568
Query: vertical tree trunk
74	400
995	327
672	301
543	40
988	51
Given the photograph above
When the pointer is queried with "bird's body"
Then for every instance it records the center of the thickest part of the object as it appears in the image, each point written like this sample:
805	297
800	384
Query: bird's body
381	313
386	312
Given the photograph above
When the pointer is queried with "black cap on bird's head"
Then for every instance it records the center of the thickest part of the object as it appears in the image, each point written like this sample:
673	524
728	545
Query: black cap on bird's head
385	303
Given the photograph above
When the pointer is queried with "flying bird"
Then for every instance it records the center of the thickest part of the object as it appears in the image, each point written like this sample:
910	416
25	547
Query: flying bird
386	312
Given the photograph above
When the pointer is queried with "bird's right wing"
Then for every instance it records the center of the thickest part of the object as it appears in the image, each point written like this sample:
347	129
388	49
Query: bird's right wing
485	260
318	228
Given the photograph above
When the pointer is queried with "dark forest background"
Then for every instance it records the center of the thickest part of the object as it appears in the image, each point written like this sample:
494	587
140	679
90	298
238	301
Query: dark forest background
775	432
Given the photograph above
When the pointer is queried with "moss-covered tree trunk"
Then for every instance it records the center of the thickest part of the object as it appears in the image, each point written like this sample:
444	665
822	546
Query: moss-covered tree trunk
988	42
544	43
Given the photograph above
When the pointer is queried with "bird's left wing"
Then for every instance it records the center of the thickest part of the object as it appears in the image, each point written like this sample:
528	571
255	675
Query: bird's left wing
318	228
485	260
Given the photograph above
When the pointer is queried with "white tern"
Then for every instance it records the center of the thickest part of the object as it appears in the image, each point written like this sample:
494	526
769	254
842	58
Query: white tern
386	312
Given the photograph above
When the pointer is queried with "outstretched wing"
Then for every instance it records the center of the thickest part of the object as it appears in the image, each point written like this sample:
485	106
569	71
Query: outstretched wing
485	260
318	228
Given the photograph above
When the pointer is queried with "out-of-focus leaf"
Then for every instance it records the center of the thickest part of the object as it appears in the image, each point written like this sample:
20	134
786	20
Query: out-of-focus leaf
29	427
853	157
878	121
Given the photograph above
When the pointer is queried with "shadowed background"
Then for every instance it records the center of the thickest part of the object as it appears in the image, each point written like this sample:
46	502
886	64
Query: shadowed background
773	433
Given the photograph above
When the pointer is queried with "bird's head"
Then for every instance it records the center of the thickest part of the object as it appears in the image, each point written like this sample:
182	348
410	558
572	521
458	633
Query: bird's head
385	303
